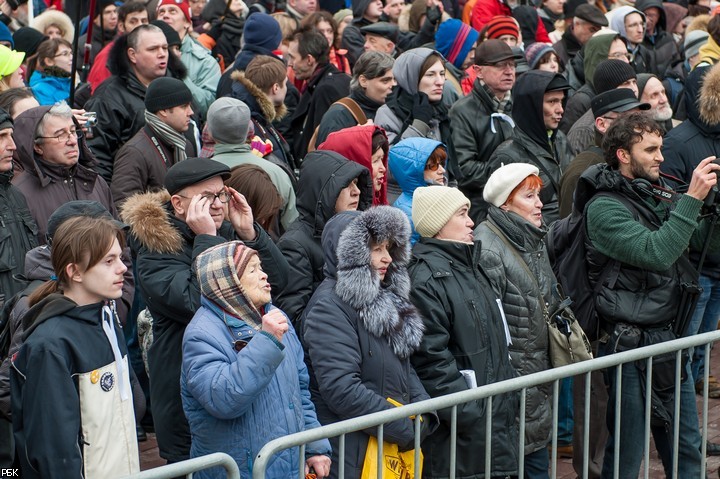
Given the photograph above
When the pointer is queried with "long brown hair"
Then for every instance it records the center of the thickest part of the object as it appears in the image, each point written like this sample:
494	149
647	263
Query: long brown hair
261	194
80	240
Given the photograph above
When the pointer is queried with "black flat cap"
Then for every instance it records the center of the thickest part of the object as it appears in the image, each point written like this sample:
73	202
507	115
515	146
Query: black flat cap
72	209
382	29
618	100
193	170
591	14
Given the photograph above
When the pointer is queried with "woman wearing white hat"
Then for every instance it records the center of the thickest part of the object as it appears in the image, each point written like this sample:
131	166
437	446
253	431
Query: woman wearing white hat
514	255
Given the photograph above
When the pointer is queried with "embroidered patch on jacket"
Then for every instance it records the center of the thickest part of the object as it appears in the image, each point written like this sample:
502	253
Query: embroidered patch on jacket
107	381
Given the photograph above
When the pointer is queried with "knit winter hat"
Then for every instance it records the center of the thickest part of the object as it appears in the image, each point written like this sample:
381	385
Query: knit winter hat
166	92
27	40
502	25
610	74
172	37
10	60
454	39
102	5
5	35
341	14
219	270
535	52
228	120
262	30
6	120
181	4
693	41
504	180
433	206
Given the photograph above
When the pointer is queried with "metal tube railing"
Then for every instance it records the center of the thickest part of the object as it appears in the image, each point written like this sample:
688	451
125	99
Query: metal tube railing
186	468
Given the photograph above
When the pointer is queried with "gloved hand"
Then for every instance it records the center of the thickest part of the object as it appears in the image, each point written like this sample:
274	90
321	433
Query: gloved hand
422	109
433	15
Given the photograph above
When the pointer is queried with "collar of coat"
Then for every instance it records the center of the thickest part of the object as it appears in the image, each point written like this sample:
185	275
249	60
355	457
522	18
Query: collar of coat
150	222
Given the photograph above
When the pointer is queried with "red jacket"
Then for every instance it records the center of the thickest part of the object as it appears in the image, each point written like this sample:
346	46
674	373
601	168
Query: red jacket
484	10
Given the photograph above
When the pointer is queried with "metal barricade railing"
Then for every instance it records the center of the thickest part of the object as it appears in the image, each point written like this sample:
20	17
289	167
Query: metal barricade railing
521	384
185	468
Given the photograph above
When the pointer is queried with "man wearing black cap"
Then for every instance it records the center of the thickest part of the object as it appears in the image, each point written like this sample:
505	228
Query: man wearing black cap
172	227
586	21
381	37
481	121
104	29
141	163
537	110
138	59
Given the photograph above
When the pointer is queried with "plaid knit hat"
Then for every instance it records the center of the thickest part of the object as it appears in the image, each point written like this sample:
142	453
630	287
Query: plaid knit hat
535	52
433	206
502	25
610	74
181	4
219	270
454	39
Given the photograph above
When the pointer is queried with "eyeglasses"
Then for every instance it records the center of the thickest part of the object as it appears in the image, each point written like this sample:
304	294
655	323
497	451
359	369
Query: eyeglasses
504	65
223	196
620	56
433	166
64	137
66	53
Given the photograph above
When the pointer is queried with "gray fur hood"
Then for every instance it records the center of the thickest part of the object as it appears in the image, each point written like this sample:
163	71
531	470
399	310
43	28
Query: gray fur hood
383	306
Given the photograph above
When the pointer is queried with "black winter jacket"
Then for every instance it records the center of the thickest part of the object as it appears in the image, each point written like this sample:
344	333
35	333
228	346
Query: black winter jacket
322	176
463	331
476	132
661	47
338	116
166	248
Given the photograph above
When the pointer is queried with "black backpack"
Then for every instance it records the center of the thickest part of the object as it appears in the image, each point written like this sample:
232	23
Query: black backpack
566	249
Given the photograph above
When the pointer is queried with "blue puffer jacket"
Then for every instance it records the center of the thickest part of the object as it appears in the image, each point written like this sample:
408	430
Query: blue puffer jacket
48	89
236	402
407	164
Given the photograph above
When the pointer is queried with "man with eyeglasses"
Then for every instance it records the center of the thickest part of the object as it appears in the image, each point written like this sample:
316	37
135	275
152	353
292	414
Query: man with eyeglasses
57	163
481	120
630	23
586	21
194	213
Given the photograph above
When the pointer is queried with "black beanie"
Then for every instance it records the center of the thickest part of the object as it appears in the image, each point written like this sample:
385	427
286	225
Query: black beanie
6	120
27	40
102	5
610	74
166	92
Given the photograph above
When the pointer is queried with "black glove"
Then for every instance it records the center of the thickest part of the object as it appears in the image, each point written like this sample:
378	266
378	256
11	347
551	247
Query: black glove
422	109
216	31
433	15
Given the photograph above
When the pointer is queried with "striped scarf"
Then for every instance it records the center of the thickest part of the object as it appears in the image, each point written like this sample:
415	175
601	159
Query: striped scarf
167	135
218	270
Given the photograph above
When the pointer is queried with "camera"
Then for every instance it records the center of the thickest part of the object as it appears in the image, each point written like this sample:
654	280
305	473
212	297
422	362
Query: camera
91	119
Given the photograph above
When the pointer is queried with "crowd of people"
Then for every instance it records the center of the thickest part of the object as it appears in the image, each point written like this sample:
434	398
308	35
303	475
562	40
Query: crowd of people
227	221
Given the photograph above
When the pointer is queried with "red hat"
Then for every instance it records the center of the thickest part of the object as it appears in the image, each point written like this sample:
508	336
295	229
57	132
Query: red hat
181	4
502	25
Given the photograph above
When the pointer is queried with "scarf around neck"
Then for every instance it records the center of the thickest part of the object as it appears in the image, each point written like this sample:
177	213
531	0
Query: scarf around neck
167	135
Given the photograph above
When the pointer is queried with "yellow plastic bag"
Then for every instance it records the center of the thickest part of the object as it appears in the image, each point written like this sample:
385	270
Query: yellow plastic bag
396	464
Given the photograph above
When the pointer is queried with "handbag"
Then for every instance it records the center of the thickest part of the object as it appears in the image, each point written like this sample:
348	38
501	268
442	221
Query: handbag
395	464
567	341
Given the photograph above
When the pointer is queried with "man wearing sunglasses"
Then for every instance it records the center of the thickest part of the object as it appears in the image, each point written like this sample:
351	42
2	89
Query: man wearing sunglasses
172	227
56	162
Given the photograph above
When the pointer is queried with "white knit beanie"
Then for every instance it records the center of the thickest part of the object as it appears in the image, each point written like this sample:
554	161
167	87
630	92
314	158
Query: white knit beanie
504	180
433	206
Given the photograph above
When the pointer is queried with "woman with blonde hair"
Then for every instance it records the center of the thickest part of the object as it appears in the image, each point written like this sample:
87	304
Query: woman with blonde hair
10	68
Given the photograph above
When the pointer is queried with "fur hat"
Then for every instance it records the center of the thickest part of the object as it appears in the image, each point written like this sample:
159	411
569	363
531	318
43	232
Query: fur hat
54	17
433	206
709	98
504	180
228	120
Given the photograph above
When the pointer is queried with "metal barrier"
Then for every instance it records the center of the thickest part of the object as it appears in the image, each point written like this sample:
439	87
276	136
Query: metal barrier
516	384
186	468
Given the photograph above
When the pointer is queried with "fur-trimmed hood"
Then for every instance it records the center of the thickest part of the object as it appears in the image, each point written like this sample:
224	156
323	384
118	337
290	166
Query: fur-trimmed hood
258	102
709	100
383	306
148	216
54	17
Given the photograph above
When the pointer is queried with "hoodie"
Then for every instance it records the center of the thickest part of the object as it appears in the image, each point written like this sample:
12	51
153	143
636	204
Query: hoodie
355	144
617	20
407	165
661	46
50	185
323	176
71	397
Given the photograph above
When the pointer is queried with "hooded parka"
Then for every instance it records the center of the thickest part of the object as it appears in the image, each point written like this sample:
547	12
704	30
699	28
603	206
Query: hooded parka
322	176
661	46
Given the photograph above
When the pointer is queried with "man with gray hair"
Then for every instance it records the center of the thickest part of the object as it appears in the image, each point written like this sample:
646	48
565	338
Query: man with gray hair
371	83
57	163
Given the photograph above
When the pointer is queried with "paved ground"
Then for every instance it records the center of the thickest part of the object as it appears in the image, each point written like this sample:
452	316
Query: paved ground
149	457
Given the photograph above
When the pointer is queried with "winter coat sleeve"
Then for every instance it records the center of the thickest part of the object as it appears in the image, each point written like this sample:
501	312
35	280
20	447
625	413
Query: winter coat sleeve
338	370
128	176
203	77
226	389
299	287
354	42
472	161
46	411
434	361
335	119
273	261
109	135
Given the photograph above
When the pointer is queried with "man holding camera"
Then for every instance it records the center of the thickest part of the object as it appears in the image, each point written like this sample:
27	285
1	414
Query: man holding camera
638	233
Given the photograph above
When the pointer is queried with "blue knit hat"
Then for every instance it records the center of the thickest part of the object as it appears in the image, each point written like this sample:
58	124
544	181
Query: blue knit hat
6	36
262	30
454	39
